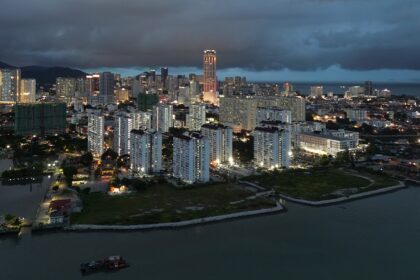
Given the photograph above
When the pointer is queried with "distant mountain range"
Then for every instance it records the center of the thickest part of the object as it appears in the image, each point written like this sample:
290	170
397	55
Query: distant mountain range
46	75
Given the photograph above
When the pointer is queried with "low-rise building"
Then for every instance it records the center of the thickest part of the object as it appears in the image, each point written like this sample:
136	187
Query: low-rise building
329	142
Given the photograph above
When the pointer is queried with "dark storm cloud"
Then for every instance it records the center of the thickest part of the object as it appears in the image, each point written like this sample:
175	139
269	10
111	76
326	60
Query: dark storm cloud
262	35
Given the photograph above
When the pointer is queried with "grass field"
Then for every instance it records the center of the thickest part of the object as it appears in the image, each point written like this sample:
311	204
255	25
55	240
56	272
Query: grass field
321	183
164	203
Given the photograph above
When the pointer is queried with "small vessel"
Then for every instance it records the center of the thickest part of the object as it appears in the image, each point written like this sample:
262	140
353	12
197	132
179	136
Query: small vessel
108	264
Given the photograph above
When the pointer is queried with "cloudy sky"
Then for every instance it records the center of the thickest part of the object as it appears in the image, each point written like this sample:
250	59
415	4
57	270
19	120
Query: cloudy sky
302	40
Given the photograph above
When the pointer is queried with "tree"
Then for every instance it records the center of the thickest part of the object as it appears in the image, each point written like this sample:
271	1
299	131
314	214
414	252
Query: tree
87	159
109	155
69	172
372	149
324	160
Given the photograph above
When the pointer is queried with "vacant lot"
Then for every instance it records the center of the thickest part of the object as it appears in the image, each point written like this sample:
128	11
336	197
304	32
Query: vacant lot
322	183
163	203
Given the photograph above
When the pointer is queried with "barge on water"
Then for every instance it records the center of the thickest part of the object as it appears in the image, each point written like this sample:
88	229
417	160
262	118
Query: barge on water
109	264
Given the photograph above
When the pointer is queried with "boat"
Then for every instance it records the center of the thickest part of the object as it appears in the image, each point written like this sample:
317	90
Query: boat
109	264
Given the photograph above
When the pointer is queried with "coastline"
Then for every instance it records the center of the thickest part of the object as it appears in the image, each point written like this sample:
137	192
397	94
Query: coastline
173	225
339	200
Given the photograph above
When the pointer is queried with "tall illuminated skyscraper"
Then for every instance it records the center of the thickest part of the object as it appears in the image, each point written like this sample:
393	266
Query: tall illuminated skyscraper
210	79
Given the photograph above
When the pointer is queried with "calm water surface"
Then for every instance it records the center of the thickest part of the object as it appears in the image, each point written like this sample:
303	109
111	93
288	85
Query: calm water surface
375	238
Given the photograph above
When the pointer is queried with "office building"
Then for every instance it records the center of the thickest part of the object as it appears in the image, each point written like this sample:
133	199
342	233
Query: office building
220	141
191	158
96	124
196	116
146	151
40	118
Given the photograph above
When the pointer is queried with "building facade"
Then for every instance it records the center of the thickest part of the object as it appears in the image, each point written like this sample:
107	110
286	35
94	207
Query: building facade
191	158
241	112
146	151
65	89
210	78
96	124
273	114
40	118
220	143
328	142
9	85
106	87
271	147
123	124
196	116
163	117
27	91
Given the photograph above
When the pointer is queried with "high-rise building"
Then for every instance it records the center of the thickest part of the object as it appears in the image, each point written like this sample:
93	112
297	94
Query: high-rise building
144	120
96	123
271	147
92	84
220	142
240	112
163	117
368	88
358	115
191	158
196	116
65	89
273	114
317	91
123	124
146	101
194	91
40	118
210	78
106	87
146	151
164	76
9	85
27	91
